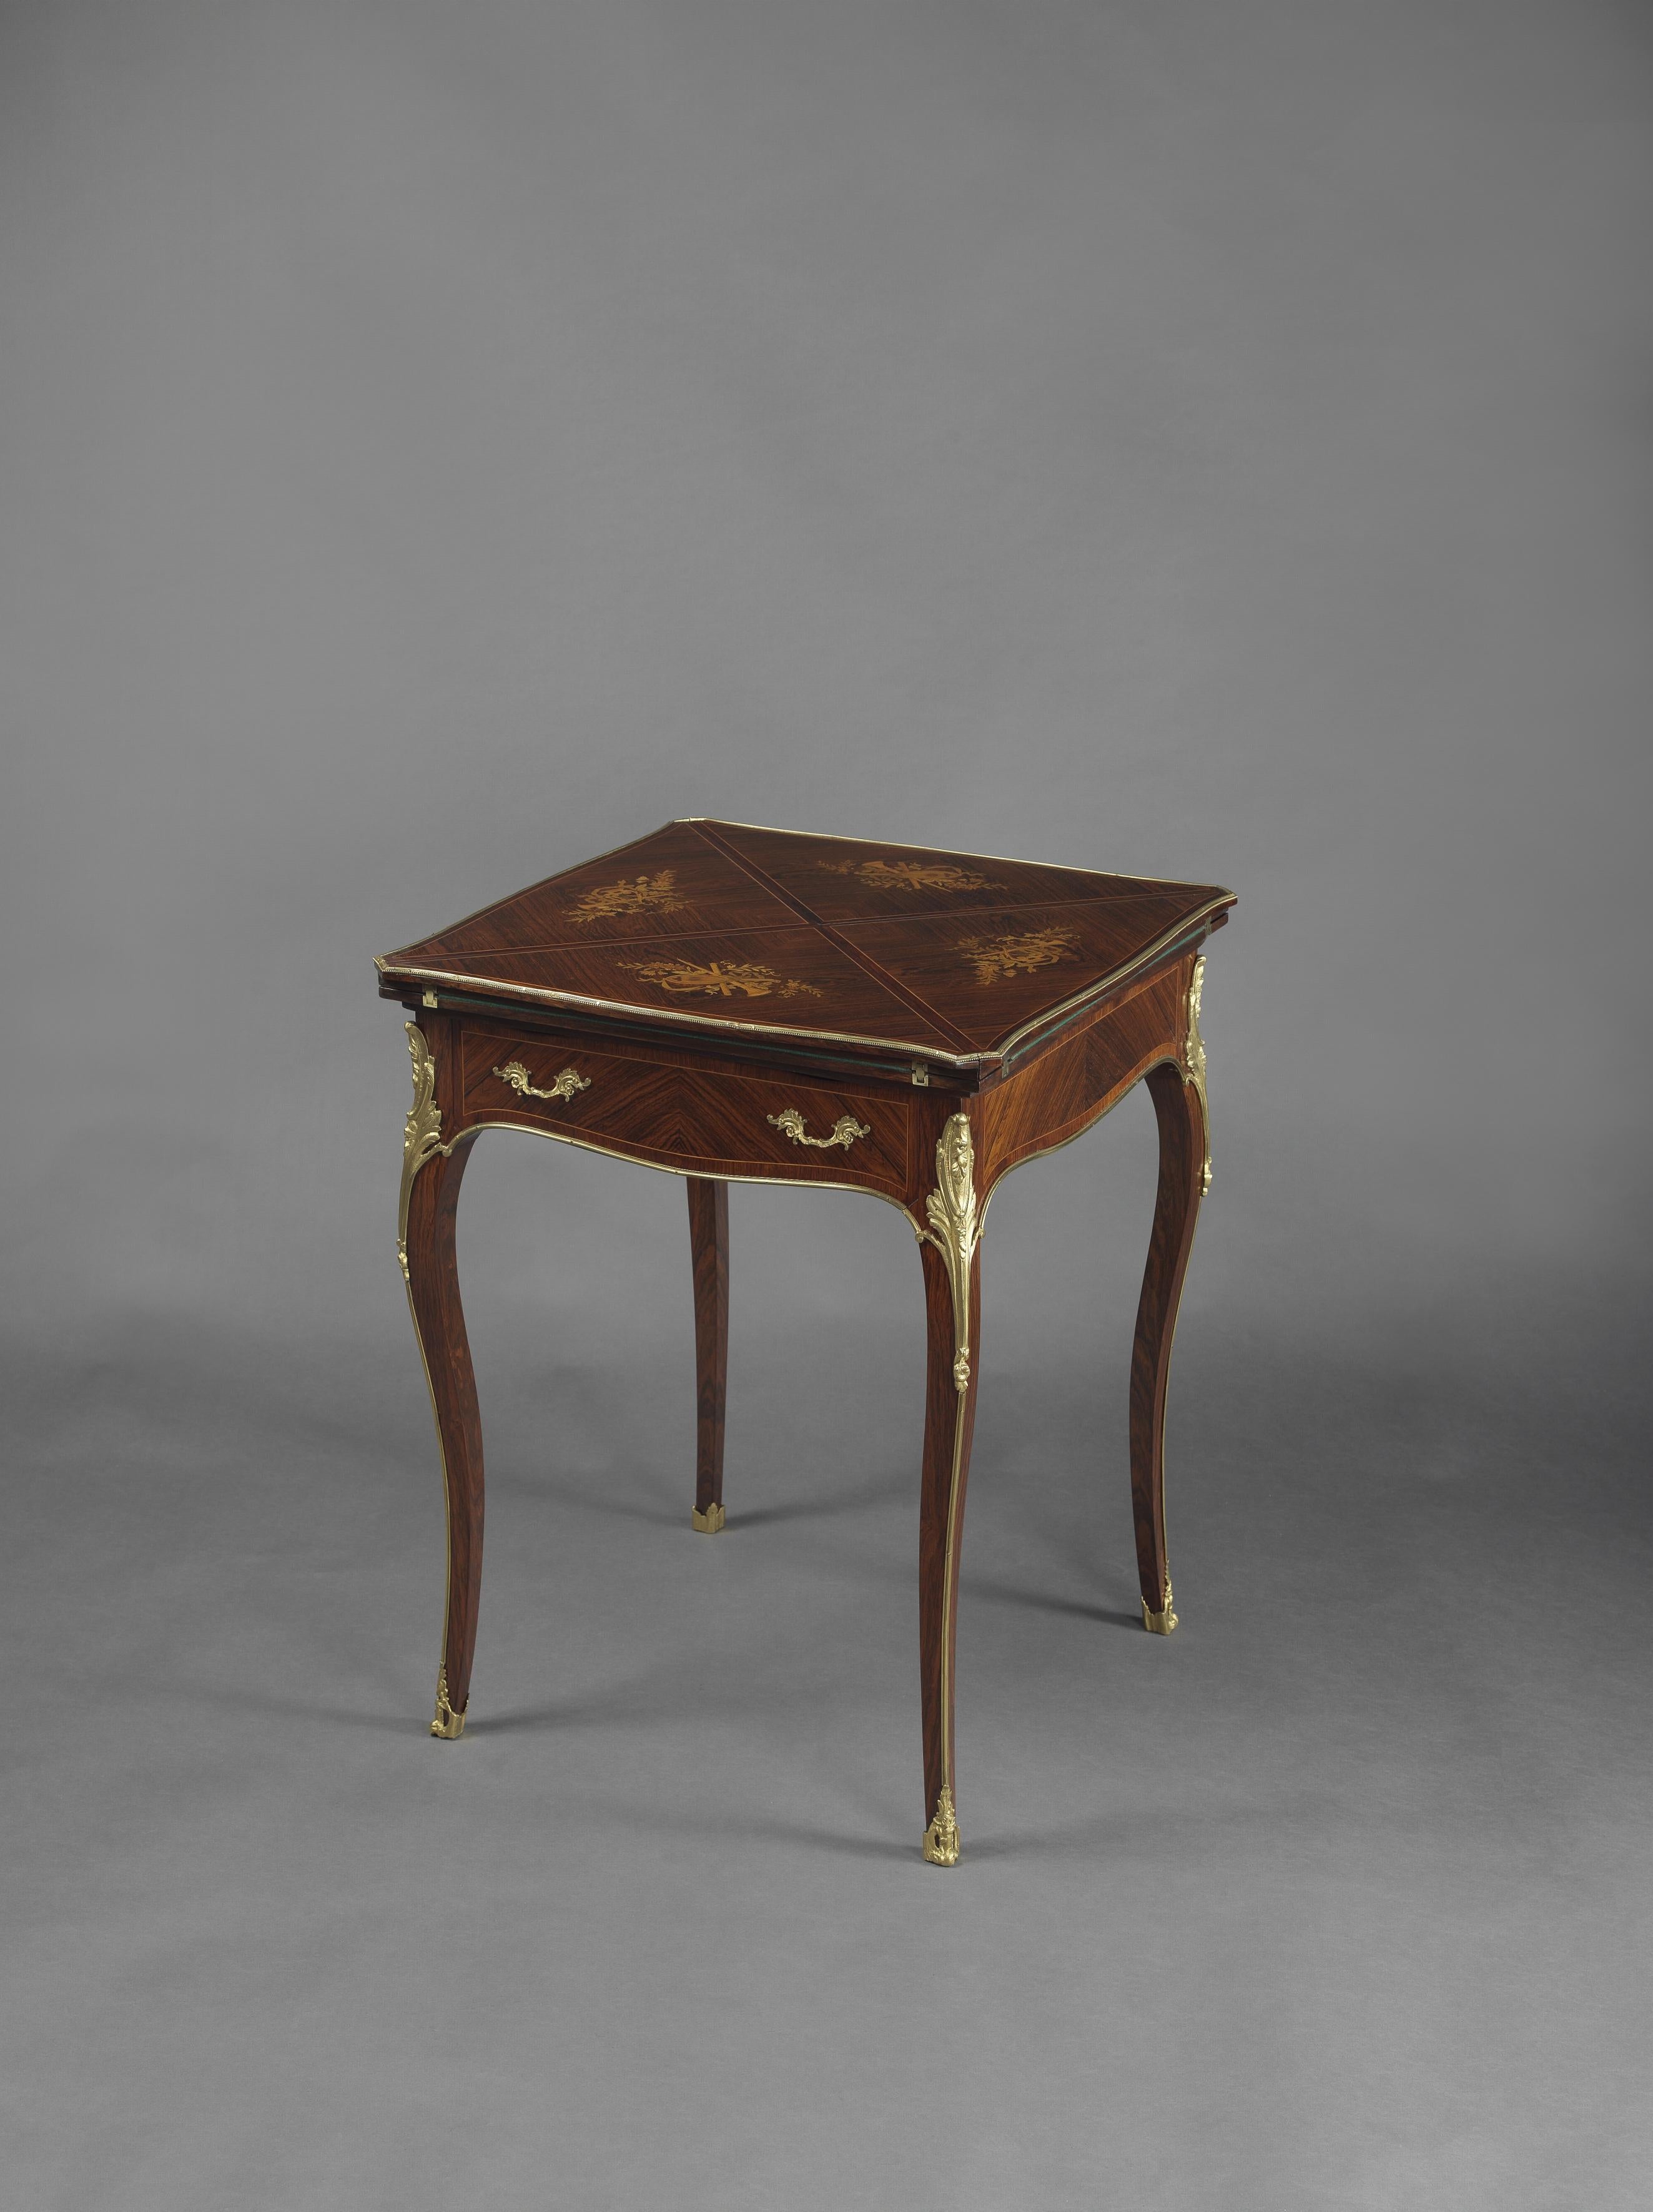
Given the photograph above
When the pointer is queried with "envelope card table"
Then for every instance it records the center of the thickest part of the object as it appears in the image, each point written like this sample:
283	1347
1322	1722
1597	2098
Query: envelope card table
738	1004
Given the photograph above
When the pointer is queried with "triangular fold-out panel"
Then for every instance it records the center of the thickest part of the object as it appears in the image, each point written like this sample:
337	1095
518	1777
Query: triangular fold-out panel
673	884
794	978
845	879
988	975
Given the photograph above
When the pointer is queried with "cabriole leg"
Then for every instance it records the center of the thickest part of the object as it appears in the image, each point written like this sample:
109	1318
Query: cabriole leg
438	1319
431	1175
708	1231
1179	1106
953	1293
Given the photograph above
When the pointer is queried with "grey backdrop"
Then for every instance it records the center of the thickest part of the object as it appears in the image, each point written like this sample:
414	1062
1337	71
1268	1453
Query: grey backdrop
436	444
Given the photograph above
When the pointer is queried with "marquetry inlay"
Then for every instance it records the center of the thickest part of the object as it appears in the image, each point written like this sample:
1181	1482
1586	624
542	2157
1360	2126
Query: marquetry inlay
655	894
995	959
908	875
719	979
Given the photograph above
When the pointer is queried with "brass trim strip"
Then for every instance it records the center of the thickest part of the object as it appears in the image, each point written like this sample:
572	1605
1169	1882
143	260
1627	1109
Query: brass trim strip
489	986
894	845
661	1167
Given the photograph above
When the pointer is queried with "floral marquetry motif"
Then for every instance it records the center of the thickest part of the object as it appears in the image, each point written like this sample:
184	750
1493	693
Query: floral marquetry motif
656	894
996	959
908	875
719	979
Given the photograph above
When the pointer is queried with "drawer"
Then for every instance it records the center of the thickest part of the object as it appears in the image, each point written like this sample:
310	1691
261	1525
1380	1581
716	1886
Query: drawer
701	1121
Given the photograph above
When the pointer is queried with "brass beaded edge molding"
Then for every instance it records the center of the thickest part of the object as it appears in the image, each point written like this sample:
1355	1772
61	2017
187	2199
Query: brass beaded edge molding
955	1232
845	1130
517	1076
491	989
421	1137
952	852
1193	1069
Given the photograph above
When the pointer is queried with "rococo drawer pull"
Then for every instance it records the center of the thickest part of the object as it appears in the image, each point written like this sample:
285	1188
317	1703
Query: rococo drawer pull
848	1129
566	1085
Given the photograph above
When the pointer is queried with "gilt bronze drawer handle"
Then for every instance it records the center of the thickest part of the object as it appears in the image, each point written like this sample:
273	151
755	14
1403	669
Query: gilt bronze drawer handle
566	1085
845	1133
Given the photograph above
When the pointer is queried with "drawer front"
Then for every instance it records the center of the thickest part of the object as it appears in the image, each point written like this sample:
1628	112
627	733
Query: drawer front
701	1123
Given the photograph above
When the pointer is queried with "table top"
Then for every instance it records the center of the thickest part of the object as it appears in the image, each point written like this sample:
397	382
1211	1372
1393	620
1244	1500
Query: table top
959	958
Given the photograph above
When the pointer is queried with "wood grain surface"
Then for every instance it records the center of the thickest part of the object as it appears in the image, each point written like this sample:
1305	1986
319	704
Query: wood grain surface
1176	1209
956	955
949	1432
708	1232
701	1122
439	1322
